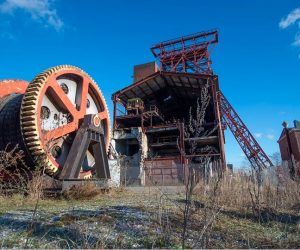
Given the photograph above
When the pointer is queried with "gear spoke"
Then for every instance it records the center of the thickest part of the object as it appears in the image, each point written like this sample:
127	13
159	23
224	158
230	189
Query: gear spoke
84	96
60	131
62	99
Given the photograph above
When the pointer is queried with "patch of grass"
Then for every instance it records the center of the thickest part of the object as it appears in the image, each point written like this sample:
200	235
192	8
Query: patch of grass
241	233
105	218
160	225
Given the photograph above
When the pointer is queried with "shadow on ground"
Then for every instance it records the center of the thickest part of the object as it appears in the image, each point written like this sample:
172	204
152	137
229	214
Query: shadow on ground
81	228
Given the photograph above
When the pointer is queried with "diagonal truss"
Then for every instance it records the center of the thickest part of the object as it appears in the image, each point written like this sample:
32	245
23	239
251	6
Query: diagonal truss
246	140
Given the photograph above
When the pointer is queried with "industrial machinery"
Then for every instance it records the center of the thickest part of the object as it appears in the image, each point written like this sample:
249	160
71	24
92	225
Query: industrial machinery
59	120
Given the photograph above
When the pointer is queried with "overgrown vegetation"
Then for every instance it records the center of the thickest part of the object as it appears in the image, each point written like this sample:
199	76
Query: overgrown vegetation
222	216
229	211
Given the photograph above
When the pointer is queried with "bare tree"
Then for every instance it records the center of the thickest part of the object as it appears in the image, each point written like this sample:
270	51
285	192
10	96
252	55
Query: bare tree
276	159
195	129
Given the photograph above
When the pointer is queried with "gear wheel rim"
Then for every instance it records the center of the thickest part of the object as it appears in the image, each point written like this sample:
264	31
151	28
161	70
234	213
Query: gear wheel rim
34	138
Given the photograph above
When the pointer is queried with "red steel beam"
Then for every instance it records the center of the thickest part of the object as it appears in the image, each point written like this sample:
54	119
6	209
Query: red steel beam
255	154
187	54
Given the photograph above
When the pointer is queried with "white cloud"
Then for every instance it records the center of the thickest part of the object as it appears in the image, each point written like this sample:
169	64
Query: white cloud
297	40
270	136
258	135
292	17
39	10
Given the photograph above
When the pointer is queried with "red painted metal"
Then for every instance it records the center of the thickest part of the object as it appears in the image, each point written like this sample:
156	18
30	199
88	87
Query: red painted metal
246	140
8	87
187	54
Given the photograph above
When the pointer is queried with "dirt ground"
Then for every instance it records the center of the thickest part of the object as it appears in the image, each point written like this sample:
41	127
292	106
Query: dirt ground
137	218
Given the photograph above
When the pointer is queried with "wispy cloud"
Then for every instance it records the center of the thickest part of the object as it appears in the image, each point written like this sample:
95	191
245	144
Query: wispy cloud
39	10
270	136
258	135
297	40
291	18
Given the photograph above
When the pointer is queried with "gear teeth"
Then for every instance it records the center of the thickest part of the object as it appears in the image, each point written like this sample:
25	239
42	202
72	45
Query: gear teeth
32	143
28	123
30	102
37	152
29	98
30	126
30	112
35	148
29	129
31	133
27	108
31	138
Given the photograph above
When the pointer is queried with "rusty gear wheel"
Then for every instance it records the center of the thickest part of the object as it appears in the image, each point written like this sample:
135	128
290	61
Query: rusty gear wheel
52	107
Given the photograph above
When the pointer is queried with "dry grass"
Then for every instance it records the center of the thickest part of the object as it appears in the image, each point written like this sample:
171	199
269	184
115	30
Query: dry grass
222	214
234	191
236	220
82	192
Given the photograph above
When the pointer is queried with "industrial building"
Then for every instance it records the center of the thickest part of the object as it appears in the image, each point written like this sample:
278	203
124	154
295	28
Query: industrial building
173	115
289	145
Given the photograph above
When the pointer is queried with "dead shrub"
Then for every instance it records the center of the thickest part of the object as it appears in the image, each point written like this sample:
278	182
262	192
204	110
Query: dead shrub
81	192
14	174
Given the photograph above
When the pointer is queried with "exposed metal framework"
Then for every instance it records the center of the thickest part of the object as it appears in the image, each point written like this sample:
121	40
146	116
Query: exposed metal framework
190	54
187	54
153	138
246	140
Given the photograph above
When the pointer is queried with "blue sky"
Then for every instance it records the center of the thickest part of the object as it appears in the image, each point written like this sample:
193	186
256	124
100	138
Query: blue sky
257	58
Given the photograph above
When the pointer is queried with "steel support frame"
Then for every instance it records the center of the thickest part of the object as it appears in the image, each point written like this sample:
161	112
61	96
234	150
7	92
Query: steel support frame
255	154
218	119
188	54
88	134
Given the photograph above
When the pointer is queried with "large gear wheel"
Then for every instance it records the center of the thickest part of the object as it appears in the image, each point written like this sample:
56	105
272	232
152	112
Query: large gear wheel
52	107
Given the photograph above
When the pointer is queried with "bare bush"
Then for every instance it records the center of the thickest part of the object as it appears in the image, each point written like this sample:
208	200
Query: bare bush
14	174
195	129
81	192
